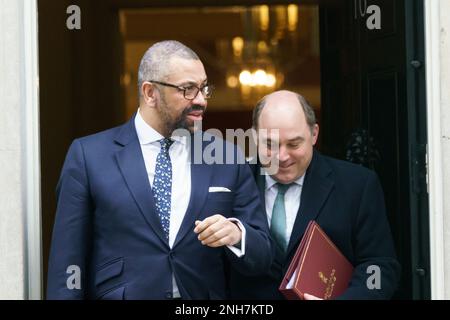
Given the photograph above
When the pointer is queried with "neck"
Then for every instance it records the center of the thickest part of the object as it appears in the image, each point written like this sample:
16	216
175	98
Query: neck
150	117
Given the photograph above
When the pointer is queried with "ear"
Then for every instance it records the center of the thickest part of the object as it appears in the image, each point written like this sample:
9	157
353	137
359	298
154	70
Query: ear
148	94
315	134
254	135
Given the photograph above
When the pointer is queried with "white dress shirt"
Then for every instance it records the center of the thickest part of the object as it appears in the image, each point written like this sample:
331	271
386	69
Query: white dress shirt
181	170
291	201
181	179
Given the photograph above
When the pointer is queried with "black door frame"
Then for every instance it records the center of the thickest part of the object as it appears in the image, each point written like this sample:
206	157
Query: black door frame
412	216
417	126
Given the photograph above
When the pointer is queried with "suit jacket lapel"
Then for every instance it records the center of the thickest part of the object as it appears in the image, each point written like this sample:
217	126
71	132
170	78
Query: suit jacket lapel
261	183
132	166
315	191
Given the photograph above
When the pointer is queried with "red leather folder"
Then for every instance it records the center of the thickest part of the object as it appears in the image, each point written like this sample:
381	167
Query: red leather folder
318	268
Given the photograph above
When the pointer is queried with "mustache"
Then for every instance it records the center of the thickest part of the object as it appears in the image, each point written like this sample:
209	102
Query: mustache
195	107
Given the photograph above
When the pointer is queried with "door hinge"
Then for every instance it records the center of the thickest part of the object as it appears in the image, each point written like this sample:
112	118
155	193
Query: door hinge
420	169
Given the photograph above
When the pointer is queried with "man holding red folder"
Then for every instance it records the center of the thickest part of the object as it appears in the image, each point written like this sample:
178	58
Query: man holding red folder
346	201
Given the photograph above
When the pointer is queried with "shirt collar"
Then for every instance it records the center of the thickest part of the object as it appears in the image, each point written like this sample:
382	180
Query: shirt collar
270	182
146	134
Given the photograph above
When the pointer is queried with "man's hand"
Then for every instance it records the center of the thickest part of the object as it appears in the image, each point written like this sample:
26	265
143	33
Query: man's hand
217	231
310	297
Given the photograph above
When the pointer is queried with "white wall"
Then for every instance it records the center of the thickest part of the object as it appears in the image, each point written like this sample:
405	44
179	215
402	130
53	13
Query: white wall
445	137
438	112
19	156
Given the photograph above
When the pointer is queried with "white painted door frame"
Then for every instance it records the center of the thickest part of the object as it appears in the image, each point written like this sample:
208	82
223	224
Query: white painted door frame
31	144
435	173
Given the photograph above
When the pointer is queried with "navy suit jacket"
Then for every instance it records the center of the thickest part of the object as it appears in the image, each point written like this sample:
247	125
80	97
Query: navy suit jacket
347	201
106	226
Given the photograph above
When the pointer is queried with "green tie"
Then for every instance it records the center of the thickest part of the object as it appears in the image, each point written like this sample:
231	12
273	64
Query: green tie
278	221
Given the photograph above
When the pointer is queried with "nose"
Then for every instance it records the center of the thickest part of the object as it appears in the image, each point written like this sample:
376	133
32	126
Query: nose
283	154
200	99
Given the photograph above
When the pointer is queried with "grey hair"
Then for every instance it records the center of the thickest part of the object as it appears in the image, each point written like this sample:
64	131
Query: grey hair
307	109
154	63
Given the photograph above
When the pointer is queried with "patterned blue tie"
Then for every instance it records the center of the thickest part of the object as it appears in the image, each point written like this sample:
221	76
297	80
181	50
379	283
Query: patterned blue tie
278	221
162	185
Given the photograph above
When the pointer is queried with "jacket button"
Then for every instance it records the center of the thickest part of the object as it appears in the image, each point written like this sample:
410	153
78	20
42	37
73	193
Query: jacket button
169	295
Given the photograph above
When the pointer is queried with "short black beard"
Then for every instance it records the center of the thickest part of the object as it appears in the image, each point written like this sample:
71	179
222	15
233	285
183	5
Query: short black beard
181	122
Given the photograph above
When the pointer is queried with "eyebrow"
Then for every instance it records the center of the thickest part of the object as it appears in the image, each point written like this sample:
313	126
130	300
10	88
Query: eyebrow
193	83
296	139
299	139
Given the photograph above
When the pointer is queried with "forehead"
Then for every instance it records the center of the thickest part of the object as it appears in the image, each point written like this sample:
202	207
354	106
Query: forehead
283	113
186	70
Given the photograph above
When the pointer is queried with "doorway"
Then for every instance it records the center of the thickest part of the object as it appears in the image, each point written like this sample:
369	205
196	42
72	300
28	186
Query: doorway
374	113
364	84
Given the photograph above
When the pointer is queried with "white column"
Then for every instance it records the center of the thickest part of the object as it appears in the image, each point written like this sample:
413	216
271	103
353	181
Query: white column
437	32
20	237
445	136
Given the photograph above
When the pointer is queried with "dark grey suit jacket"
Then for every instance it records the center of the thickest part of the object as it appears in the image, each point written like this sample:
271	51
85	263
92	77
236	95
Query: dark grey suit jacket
347	201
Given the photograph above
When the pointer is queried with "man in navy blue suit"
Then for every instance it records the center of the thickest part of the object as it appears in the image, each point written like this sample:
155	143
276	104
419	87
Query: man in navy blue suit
346	200
136	218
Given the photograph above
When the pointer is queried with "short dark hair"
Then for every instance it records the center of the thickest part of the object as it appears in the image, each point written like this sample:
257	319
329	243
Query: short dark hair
154	63
307	109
